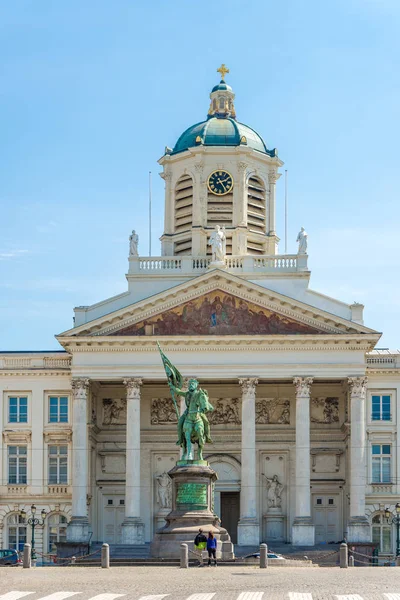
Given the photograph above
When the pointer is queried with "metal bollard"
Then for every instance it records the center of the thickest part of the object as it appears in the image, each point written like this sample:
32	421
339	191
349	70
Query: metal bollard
184	564
397	561
351	561
263	556
105	556
26	562
73	560
344	563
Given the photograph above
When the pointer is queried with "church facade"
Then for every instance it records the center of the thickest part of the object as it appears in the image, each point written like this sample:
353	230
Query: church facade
305	423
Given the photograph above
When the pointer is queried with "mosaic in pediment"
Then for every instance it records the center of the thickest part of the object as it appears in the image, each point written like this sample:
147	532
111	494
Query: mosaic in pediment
217	313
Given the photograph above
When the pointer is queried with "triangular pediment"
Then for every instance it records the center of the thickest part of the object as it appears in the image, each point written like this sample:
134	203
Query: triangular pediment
217	313
217	304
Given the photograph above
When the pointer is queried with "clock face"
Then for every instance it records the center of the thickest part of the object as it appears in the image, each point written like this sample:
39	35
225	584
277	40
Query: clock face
220	183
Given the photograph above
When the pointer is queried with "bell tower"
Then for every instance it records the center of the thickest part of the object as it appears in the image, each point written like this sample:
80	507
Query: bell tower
220	172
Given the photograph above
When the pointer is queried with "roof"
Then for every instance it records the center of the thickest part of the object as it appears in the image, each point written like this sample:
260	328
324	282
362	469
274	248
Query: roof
217	131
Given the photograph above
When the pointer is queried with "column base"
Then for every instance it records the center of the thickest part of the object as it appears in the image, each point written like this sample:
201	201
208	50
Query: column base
133	531
78	530
248	531
358	530
303	532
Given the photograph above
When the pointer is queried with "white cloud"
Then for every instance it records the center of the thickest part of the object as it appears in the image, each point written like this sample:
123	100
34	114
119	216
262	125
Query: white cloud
10	254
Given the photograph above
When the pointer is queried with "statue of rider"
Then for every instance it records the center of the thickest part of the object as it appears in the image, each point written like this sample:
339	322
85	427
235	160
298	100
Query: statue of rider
193	391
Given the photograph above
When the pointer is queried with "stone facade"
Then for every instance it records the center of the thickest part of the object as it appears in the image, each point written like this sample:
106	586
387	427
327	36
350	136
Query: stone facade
305	421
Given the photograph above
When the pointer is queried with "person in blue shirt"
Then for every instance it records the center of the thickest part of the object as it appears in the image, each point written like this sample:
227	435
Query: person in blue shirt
212	548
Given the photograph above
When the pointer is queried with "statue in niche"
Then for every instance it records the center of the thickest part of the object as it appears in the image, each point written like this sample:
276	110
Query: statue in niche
330	412
274	491
164	490
226	412
162	411
302	240
113	411
217	242
133	244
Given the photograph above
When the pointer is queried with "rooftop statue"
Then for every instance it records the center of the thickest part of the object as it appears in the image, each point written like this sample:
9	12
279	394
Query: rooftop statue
302	239
193	424
133	244
217	242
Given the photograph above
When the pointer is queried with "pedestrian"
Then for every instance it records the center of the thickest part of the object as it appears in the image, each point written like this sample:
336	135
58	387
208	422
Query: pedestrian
200	543
212	548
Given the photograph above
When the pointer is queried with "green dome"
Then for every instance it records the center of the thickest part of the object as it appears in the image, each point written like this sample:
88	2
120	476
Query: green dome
217	131
221	86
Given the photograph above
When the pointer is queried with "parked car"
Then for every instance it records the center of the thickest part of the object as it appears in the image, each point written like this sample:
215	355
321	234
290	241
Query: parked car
9	558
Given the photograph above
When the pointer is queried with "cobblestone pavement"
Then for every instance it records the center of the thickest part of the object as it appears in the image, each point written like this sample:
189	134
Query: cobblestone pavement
221	583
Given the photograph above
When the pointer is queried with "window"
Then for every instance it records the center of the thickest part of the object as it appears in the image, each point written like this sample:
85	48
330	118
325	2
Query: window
382	533
381	408
58	465
57	531
18	409
381	455
16	532
110	502
17	471
58	409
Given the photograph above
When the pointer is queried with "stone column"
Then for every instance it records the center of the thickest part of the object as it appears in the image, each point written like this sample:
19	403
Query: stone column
272	239
303	531
78	527
248	526
133	526
358	528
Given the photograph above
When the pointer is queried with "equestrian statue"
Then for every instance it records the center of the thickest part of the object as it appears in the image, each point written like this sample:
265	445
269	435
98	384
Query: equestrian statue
193	424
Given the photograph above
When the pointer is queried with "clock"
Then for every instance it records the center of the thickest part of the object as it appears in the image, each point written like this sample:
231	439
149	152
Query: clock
220	183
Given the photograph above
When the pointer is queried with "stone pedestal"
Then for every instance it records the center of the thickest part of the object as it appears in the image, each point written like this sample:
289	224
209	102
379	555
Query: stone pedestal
192	495
78	530
359	530
303	532
132	530
274	526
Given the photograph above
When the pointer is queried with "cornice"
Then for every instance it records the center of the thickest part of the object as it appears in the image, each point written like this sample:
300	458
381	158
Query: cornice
393	372
218	280
273	343
29	372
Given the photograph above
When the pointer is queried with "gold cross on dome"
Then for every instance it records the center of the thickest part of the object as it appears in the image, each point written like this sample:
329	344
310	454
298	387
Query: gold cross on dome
223	70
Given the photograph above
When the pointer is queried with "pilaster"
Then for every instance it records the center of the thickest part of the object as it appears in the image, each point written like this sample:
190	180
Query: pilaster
358	528
248	526
78	527
133	526
303	531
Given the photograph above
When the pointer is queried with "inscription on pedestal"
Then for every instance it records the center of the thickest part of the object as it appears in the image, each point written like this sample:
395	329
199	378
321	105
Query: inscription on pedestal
191	496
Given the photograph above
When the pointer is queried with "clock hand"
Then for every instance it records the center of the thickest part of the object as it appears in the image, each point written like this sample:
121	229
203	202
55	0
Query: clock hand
222	184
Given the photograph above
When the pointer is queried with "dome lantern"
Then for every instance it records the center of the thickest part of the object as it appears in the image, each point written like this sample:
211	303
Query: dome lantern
222	98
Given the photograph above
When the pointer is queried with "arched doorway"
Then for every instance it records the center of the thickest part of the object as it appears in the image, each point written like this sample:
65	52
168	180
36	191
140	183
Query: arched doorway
227	491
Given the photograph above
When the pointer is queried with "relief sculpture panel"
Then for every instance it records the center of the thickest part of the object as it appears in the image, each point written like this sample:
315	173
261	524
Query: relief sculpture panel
162	411
273	410
226	411
114	411
324	410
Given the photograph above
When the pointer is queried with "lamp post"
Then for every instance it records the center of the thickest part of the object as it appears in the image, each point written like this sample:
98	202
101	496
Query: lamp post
33	522
396	521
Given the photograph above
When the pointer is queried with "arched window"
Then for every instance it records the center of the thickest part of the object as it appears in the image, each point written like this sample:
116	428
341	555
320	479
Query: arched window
382	533
184	214
222	103
256	214
57	528
16	527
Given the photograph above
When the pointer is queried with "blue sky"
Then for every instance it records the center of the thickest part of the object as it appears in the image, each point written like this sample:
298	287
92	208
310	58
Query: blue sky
92	91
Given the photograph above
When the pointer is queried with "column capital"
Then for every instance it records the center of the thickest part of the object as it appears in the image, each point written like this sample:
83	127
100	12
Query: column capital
357	386
303	386
272	177
248	384
80	387
133	385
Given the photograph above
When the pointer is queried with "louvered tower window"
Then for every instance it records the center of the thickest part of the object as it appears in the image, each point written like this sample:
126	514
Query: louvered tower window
256	215
184	214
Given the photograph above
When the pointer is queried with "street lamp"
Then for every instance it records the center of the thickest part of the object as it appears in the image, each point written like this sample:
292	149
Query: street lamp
33	521
396	521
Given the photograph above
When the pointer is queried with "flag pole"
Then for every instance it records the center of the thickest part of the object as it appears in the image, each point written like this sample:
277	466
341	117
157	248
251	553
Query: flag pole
286	211
149	213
